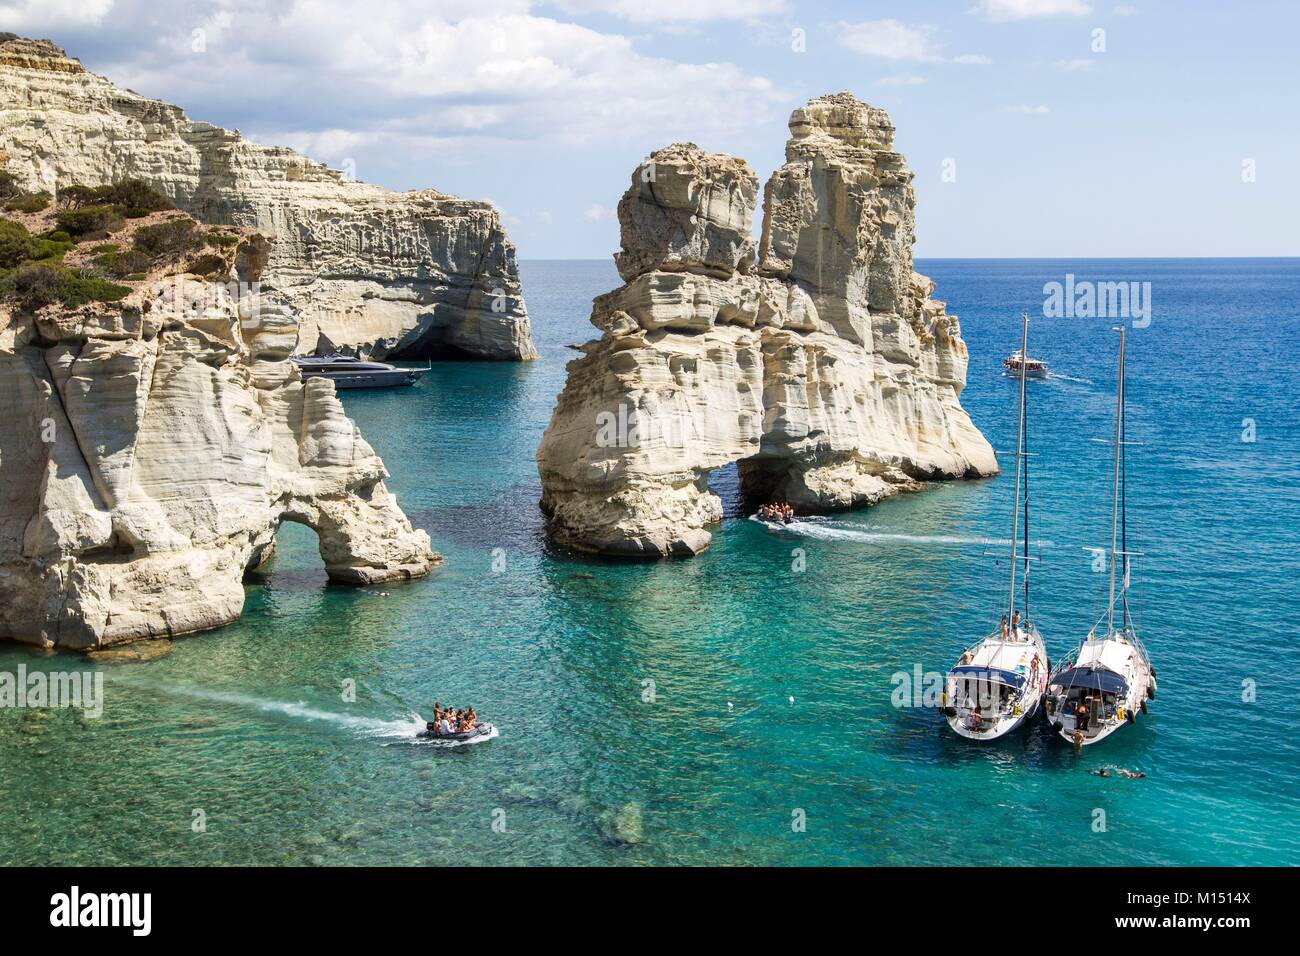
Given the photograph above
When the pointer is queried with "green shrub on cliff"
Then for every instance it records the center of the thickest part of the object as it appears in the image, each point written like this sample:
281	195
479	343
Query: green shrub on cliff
35	284
16	243
122	264
31	202
168	237
133	198
90	220
138	199
18	246
74	197
8	185
48	248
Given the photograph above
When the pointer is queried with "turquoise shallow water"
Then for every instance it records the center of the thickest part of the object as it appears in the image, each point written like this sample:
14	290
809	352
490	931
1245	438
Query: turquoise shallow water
247	724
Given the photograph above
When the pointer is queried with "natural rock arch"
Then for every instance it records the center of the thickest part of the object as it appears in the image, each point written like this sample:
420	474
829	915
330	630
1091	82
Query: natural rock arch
179	437
820	364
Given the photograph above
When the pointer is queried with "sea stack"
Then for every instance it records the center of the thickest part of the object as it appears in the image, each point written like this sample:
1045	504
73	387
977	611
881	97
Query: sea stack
818	362
401	275
154	436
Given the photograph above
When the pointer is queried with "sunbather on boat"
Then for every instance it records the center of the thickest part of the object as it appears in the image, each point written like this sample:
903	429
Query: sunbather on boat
447	722
779	511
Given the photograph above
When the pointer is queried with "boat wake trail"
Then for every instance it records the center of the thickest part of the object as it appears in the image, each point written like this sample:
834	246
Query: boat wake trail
829	530
405	727
492	734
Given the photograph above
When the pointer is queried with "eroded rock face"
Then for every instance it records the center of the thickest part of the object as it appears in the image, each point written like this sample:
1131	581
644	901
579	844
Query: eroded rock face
825	370
150	448
398	275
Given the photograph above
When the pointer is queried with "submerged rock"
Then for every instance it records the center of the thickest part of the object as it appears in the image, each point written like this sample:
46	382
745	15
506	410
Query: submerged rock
150	448
825	369
137	653
398	275
623	826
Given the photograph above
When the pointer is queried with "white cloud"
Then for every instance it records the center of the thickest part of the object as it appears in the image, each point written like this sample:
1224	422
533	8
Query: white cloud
1031	9
332	145
890	39
1124	10
544	217
902	80
641	11
41	16
408	79
597	213
972	59
1074	66
1035	110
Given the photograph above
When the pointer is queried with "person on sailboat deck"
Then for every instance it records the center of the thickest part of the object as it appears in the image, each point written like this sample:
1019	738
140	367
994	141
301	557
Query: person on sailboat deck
977	719
1015	625
1004	627
1082	714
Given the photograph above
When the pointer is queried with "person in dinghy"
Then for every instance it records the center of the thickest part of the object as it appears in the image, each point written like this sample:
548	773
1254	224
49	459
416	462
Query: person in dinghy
452	724
780	512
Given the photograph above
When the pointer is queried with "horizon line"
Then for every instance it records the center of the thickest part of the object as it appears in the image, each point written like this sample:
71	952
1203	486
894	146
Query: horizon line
610	258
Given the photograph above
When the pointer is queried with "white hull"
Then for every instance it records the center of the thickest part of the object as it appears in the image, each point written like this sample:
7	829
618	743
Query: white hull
1003	727
1024	655
1121	656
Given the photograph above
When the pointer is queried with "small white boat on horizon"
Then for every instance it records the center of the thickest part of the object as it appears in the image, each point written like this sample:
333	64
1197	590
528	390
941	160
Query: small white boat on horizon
1021	361
998	683
1106	681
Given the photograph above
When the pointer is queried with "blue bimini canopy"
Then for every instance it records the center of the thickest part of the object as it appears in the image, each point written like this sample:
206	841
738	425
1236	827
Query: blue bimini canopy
991	675
1092	678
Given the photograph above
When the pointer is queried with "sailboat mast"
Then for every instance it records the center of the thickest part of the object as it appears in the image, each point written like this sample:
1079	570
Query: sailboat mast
1024	575
1020	460
1114	509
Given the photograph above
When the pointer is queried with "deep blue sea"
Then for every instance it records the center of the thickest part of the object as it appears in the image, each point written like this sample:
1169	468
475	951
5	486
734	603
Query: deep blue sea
770	700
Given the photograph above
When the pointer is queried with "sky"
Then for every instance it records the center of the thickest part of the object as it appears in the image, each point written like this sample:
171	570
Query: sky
1072	128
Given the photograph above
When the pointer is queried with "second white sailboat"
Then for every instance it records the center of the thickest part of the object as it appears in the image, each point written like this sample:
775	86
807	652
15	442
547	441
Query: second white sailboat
1105	682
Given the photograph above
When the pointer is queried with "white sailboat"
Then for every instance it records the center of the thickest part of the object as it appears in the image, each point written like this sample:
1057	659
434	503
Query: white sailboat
997	684
1107	680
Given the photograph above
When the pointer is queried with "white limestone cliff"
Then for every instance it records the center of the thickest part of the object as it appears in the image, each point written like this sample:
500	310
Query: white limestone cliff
389	274
151	447
823	368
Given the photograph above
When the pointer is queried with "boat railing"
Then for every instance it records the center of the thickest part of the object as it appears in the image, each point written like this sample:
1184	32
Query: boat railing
1131	636
1065	662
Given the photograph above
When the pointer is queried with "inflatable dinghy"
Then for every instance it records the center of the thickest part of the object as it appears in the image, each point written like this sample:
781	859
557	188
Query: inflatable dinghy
483	731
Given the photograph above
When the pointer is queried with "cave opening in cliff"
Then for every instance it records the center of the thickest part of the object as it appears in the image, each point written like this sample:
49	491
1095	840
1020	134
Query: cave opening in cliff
291	562
745	484
763	480
725	483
